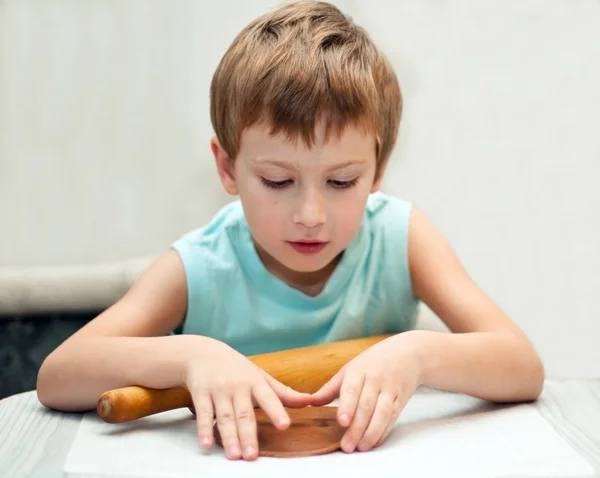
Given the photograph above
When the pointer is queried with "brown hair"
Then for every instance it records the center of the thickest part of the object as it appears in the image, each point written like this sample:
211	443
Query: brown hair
301	63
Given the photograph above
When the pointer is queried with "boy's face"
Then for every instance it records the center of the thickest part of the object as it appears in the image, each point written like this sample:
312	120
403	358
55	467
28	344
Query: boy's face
303	206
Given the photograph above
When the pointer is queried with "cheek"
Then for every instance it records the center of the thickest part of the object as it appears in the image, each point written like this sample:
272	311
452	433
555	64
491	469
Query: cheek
264	215
352	217
349	212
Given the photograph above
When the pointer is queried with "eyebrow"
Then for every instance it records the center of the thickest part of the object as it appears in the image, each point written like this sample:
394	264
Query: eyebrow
285	165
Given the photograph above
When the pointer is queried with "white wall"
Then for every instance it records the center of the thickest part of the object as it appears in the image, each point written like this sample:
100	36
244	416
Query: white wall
104	153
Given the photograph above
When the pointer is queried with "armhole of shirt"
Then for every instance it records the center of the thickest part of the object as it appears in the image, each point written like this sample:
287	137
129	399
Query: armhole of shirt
400	216
192	263
396	221
405	210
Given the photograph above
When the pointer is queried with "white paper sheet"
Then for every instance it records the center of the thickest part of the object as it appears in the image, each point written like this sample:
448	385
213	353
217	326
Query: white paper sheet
438	434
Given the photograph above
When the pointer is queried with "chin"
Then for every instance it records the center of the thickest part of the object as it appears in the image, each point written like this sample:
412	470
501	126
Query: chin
308	263
305	267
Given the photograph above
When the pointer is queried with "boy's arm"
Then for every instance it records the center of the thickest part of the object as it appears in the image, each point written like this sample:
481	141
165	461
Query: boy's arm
487	355
126	344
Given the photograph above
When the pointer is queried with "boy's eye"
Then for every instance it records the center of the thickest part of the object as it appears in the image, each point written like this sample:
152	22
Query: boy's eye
275	184
343	184
334	182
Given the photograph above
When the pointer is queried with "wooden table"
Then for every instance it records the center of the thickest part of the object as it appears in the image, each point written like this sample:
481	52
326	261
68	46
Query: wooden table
35	441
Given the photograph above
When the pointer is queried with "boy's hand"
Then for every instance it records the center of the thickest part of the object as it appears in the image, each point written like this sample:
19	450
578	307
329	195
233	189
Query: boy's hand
227	386
373	388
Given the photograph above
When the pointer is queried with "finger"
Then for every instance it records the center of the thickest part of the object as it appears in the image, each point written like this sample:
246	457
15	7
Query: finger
227	426
362	417
388	428
203	409
267	399
384	410
399	404
246	425
328	392
288	396
350	392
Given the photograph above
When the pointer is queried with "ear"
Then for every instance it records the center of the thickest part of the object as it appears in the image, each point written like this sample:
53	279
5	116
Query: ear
225	167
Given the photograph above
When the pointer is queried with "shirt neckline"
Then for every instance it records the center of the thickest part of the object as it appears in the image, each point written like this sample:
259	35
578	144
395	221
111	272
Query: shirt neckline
277	289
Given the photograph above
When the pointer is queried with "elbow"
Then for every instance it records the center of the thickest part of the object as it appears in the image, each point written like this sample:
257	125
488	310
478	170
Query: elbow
538	376
532	378
46	383
524	376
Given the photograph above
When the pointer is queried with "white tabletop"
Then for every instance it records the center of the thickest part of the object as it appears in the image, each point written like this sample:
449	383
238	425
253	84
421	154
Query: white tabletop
35	441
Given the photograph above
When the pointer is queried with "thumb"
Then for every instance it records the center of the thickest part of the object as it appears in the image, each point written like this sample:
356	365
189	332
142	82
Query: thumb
288	396
328	392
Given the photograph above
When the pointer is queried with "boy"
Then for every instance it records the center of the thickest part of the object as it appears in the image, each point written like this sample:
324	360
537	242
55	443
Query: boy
306	111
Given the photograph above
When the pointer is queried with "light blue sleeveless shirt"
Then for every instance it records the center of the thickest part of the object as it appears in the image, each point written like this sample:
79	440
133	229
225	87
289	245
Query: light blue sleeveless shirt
233	298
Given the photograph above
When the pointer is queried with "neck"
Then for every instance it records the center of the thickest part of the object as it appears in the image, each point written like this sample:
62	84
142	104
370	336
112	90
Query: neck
310	283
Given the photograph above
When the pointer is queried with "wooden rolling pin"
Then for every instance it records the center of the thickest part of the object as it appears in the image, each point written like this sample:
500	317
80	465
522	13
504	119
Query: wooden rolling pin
304	369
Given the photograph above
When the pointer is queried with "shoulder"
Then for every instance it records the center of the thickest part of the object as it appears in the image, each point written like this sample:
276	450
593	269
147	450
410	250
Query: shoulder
387	223
388	217
211	249
384	206
408	231
214	236
428	248
438	276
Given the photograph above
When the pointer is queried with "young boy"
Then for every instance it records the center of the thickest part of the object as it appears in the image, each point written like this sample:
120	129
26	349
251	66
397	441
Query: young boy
306	111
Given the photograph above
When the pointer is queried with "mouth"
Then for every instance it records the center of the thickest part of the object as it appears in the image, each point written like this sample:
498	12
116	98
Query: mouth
307	246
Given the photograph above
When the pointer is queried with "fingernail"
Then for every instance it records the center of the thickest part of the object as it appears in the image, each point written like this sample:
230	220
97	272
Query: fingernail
234	451
204	441
344	419
283	421
347	446
249	450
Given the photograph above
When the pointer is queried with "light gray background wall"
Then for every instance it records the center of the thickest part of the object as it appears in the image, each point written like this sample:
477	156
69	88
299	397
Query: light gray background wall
104	156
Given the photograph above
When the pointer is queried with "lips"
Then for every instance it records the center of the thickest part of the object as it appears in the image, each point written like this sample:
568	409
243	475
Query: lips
308	247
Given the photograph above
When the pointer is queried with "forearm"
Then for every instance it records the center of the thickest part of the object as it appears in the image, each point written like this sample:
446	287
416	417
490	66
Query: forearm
494	366
76	374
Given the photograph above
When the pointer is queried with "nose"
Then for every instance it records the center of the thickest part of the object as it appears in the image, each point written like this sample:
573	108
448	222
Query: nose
310	211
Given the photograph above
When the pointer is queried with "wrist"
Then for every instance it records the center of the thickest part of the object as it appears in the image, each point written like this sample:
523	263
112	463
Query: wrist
413	350
192	348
